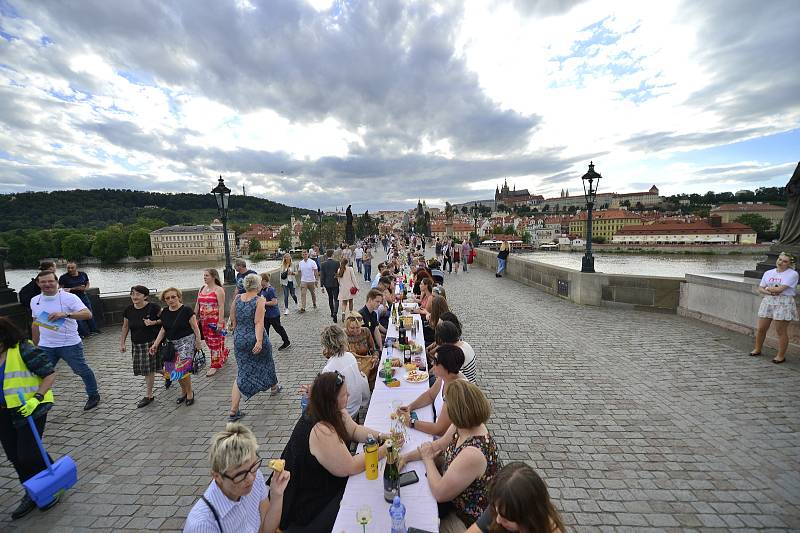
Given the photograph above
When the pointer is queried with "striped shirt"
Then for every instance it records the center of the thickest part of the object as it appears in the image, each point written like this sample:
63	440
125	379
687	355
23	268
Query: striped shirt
469	368
243	516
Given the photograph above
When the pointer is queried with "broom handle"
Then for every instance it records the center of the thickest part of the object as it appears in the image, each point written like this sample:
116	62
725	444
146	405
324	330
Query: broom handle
39	442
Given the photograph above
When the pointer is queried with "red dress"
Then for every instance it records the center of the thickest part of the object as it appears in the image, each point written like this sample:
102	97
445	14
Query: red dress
210	314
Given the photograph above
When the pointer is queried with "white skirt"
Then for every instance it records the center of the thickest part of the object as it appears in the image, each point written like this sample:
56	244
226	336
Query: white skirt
778	308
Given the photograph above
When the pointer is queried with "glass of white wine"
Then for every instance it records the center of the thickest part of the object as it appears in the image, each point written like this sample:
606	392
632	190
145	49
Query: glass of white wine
364	517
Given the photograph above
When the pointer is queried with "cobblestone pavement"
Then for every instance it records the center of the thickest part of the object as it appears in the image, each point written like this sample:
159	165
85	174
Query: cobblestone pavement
636	420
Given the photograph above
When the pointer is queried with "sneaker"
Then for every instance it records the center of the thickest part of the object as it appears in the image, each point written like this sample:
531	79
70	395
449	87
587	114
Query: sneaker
26	505
286	312
92	402
284	346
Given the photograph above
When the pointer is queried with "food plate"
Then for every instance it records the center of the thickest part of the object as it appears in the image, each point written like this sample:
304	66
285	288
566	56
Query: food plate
416	376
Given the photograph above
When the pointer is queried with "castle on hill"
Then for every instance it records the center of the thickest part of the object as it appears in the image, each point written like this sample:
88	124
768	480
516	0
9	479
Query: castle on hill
513	196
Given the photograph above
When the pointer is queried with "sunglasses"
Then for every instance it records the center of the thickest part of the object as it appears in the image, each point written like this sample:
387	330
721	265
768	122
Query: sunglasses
238	478
339	378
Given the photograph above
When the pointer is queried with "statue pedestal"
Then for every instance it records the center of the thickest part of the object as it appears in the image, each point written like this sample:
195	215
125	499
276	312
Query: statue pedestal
768	263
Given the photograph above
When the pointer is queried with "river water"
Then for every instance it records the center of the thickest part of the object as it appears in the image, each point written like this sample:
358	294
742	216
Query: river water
120	278
673	265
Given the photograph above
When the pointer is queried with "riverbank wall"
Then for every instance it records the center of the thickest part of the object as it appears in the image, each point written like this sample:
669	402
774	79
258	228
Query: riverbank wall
656	293
688	249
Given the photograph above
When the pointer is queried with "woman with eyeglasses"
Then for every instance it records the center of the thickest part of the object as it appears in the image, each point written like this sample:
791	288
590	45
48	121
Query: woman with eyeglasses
237	500
143	320
518	502
778	287
179	327
318	456
446	366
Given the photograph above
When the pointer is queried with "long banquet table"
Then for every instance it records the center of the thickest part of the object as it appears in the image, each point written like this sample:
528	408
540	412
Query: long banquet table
421	509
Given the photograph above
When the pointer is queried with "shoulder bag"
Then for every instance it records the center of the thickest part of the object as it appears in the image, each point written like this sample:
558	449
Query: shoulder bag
167	351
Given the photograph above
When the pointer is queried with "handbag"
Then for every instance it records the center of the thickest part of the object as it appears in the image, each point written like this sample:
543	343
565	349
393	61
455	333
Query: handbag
353	290
167	350
285	274
198	361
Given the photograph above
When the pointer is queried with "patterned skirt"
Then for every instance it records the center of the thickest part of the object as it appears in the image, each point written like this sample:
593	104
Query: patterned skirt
778	308
184	356
143	362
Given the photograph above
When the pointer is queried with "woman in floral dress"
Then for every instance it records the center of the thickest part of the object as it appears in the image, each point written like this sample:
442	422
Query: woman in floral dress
256	368
210	311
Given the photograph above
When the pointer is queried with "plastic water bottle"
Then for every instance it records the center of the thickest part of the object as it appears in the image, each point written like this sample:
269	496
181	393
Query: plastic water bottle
397	513
303	402
223	331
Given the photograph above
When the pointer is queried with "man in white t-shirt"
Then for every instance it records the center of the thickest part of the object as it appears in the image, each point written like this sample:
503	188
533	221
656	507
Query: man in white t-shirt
358	253
309	274
55	330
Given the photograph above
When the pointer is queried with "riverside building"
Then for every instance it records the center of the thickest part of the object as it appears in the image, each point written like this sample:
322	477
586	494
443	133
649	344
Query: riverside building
711	231
173	244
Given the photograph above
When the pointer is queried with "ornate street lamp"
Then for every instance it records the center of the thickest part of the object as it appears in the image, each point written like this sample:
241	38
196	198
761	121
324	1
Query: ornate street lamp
475	216
590	182
221	195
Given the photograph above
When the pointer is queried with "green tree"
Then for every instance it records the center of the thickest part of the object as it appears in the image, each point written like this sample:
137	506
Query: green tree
150	223
25	250
599	240
510	230
75	247
308	235
255	246
759	224
285	239
110	245
139	243
527	237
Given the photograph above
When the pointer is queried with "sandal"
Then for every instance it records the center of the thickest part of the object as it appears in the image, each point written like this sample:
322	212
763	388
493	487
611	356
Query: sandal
276	390
190	401
211	372
145	401
779	361
754	354
180	400
235	416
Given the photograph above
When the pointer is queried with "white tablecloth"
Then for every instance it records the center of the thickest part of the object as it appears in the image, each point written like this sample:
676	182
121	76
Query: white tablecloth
421	510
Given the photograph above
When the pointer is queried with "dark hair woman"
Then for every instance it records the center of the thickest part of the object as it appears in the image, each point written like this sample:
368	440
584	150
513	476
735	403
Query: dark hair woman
143	320
24	367
318	457
518	501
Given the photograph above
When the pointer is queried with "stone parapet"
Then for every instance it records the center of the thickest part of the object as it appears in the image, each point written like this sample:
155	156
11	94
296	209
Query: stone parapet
729	301
641	292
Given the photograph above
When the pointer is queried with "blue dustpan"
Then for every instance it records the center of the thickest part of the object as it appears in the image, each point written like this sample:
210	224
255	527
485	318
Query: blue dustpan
45	486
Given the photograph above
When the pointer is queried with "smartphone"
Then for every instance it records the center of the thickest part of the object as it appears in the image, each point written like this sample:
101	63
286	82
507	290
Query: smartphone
414	415
408	478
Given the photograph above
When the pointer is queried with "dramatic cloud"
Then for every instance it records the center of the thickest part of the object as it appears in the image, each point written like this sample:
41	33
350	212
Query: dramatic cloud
316	103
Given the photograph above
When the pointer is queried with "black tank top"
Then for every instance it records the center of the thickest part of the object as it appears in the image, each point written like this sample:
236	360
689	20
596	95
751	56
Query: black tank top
311	487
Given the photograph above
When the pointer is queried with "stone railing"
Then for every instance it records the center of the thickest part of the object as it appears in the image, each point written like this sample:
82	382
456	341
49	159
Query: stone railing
641	292
108	309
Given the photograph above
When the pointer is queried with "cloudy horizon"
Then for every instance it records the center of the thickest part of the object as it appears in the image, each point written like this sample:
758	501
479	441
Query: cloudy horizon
323	103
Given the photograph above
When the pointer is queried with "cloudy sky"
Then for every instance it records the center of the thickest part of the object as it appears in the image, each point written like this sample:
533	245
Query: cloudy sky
321	103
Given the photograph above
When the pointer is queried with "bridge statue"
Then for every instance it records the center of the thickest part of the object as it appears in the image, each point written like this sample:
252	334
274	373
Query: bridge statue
349	233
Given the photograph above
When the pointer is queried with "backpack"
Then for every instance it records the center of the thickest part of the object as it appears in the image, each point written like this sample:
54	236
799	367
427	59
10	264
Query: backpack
27	293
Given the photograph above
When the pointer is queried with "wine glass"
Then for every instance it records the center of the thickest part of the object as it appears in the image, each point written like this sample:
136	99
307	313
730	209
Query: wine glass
364	517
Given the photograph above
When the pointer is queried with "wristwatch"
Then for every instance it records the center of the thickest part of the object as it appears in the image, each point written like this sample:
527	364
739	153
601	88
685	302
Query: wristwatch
39	396
413	423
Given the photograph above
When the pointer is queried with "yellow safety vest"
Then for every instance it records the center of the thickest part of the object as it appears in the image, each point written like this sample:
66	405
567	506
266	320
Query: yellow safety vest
18	378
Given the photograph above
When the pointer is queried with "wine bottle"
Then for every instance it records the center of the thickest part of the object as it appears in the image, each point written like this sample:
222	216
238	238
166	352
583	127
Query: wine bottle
391	474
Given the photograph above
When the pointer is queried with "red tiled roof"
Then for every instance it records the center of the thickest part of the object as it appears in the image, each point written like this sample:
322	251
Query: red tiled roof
702	227
609	214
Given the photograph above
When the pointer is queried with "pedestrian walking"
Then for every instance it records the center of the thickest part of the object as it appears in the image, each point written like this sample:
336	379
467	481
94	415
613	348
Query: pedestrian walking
77	283
358	253
456	256
143	320
309	275
330	283
466	249
447	256
272	315
253	351
23	368
287	282
348	286
367	261
240	265
179	328
210	311
502	257
55	330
